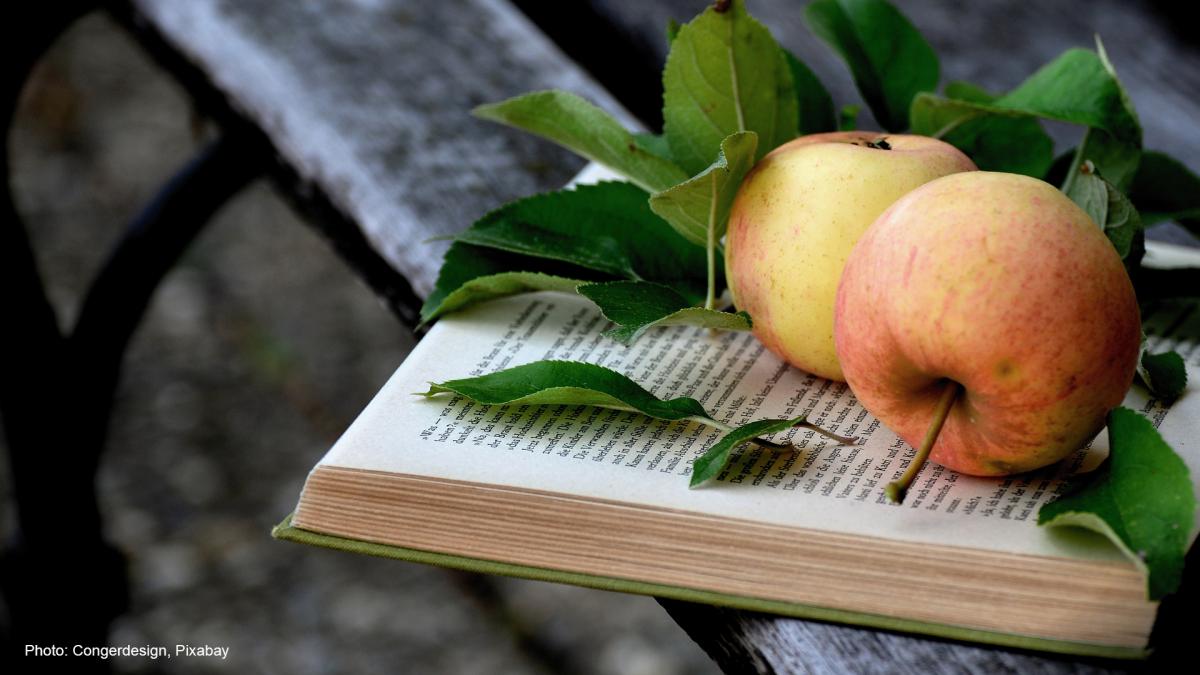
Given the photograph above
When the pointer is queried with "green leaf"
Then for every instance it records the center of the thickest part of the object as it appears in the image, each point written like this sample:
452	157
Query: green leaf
471	274
965	91
994	141
698	209
1090	193
1123	224
593	250
672	31
848	118
607	227
568	383
1113	150
637	306
1111	209
578	383
725	74
890	61
1116	157
1165	374
1095	98
655	144
558	240
711	463
1079	87
1164	189
814	105
587	130
1140	498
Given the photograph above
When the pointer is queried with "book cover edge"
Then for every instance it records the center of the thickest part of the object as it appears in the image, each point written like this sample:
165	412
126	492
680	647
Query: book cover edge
287	532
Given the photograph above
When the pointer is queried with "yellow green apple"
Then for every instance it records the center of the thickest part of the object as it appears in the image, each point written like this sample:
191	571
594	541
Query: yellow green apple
998	298
797	215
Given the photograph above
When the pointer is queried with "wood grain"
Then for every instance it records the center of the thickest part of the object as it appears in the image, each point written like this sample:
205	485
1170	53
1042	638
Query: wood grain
370	101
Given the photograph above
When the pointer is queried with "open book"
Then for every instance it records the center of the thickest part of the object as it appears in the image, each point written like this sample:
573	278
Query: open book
599	497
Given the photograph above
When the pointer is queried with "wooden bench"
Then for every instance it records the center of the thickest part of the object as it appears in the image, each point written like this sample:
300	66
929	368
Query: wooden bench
359	112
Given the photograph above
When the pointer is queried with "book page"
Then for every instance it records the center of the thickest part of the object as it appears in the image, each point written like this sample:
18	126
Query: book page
617	455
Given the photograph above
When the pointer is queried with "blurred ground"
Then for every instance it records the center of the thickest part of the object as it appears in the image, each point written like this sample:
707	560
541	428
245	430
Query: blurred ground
257	351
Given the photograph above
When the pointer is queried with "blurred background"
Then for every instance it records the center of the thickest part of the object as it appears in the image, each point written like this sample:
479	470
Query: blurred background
258	350
261	346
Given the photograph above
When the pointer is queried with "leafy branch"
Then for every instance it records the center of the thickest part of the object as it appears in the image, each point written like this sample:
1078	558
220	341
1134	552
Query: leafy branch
577	383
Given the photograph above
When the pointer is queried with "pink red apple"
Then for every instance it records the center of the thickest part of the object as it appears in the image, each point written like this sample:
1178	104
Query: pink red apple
999	283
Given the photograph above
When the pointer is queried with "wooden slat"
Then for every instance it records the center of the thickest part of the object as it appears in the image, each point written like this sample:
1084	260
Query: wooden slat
369	102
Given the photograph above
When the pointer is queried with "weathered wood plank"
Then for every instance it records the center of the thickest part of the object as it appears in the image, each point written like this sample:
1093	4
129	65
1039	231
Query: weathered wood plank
369	102
749	643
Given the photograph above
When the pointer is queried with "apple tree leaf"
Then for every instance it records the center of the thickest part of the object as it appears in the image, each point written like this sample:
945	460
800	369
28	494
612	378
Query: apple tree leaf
1165	374
1164	189
1140	498
672	31
636	307
579	383
994	141
1123	226
1090	193
848	117
655	144
568	383
714	460
1118	158
1116	149
814	105
473	274
557	240
1078	87
595	250
890	61
698	209
1108	206
585	129
608	227
725	74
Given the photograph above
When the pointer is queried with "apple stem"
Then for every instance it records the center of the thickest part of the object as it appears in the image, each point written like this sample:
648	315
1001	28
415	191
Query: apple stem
895	490
805	424
841	440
